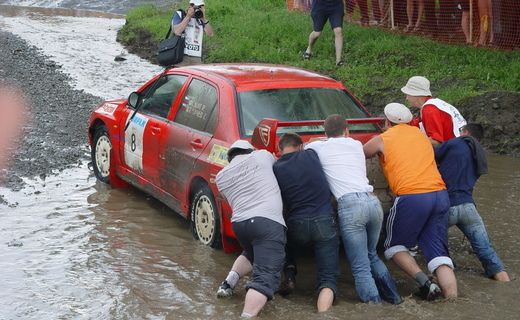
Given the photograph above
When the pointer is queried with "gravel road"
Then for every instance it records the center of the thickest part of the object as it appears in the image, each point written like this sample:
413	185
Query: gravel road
55	133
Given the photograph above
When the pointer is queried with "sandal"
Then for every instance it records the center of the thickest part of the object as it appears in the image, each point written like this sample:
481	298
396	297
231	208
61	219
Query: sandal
340	63
306	55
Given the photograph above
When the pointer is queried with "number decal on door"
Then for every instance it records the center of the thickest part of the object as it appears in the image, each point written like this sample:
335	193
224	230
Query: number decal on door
134	142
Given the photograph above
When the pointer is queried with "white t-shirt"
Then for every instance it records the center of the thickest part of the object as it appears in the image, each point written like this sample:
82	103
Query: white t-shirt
250	186
193	35
344	164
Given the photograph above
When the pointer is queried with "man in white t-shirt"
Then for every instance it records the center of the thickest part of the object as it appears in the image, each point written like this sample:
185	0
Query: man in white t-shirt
360	214
193	25
249	185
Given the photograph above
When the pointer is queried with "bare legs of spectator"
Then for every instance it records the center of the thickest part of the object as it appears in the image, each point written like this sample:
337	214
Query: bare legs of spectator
484	11
444	273
338	43
410	12
464	23
313	36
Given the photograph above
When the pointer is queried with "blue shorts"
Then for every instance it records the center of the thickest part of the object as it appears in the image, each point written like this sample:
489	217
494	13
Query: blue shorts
334	12
420	219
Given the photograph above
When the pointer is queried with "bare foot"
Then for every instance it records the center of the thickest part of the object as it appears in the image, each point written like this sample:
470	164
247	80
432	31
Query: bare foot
502	276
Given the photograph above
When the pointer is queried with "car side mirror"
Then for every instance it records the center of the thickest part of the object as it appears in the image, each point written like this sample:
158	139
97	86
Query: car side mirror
133	99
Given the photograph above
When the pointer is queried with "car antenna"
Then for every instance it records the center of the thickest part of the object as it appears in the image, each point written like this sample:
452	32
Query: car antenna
154	86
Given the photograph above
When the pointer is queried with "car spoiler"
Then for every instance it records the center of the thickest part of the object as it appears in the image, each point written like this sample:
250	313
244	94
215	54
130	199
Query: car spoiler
264	135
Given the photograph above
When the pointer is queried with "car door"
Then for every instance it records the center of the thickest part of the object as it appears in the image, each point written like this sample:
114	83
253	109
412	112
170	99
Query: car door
144	133
191	130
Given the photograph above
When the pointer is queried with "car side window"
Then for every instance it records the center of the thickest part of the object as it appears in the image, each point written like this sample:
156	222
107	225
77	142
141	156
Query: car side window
199	108
160	95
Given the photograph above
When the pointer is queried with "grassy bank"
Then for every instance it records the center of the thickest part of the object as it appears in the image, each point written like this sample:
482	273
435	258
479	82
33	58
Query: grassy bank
378	62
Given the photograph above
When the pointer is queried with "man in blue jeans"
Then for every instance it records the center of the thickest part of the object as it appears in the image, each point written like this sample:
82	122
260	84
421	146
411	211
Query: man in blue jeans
461	162
309	213
360	213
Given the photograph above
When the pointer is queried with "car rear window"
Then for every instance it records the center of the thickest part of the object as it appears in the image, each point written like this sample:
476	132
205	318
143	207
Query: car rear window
298	104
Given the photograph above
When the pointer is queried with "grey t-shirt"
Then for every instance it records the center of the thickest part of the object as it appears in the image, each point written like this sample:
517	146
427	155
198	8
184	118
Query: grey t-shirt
249	185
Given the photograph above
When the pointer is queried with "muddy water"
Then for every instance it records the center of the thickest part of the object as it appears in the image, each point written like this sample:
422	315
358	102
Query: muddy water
72	248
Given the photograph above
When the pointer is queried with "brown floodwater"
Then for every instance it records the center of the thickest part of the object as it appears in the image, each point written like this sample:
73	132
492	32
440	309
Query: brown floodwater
72	248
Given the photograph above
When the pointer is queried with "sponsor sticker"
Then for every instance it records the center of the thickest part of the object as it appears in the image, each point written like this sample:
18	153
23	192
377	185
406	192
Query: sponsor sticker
265	134
107	108
218	155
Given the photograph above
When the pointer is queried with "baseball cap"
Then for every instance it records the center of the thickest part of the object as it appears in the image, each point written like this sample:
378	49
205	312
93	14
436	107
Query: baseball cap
240	144
398	113
417	86
197	2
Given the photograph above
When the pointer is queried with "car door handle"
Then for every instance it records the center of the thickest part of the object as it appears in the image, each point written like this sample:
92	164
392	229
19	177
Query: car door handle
197	144
156	130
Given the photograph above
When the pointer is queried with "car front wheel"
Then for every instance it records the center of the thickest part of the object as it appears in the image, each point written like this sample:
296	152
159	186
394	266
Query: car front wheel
101	154
205	223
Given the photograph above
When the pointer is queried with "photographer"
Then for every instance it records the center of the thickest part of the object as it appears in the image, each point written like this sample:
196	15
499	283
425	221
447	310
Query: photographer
193	24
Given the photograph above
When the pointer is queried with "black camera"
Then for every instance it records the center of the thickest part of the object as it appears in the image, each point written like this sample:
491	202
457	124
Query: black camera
198	12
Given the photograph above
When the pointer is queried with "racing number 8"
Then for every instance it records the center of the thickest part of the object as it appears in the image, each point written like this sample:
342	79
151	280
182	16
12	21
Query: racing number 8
133	146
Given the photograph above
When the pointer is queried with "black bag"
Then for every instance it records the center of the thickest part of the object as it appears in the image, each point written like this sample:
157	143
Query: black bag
170	51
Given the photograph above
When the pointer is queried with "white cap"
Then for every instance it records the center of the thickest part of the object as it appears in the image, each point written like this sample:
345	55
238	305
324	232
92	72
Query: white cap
240	144
398	113
417	86
197	2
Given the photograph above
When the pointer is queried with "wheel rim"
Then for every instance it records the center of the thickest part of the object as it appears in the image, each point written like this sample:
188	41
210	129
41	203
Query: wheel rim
103	147
205	220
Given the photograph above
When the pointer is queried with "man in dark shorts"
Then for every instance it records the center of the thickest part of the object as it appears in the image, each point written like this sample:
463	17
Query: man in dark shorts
309	213
249	185
323	10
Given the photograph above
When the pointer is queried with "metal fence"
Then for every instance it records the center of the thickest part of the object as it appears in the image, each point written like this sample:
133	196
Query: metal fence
493	23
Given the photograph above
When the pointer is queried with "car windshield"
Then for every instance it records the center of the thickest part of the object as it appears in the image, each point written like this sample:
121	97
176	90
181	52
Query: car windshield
298	104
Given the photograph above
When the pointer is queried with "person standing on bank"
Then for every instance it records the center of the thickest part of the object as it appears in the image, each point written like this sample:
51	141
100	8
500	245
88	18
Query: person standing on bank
438	119
193	24
360	214
321	11
309	214
249	185
461	162
420	211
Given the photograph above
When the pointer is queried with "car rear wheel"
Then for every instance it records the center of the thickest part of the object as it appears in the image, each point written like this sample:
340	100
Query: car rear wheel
101	154
205	222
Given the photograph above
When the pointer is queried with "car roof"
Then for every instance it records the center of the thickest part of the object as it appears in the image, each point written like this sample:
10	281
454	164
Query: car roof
247	74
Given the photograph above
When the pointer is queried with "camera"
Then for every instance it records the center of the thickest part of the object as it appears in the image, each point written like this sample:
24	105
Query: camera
198	12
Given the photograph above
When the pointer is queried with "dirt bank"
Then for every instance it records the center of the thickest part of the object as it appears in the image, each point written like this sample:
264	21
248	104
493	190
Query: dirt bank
55	132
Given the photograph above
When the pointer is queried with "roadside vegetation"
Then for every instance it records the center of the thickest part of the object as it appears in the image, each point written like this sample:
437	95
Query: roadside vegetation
378	61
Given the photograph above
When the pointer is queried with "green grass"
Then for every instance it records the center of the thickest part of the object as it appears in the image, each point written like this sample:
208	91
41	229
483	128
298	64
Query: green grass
378	61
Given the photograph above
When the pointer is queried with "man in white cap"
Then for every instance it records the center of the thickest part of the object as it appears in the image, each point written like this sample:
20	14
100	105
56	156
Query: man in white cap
249	185
193	24
420	211
438	119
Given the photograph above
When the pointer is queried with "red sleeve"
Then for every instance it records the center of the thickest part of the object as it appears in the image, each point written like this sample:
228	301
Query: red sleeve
432	122
415	121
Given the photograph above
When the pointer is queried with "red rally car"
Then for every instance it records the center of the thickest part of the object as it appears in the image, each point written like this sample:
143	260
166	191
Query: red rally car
171	136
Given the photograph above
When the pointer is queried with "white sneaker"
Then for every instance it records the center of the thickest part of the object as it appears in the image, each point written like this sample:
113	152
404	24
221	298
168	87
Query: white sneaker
224	290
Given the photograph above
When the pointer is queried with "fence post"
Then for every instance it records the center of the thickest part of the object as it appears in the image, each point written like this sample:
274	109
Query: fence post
392	13
471	21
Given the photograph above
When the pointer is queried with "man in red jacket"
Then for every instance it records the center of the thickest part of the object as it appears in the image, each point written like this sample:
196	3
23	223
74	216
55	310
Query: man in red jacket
438	119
